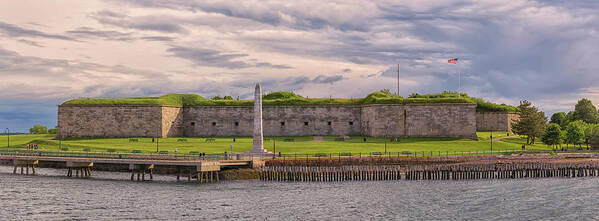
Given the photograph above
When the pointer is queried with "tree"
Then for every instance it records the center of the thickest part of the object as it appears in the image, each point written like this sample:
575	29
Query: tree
590	130
217	97
575	133
586	111
227	98
53	130
569	118
38	129
552	135
531	122
560	119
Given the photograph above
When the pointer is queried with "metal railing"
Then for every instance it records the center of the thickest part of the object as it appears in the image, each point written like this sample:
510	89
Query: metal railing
113	155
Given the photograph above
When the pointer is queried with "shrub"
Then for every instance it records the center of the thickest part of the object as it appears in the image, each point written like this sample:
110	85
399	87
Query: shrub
281	95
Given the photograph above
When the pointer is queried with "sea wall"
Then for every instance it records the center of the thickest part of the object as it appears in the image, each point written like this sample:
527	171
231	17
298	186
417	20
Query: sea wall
495	121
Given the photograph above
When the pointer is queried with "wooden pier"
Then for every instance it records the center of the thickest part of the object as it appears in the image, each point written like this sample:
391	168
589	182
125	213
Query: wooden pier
202	170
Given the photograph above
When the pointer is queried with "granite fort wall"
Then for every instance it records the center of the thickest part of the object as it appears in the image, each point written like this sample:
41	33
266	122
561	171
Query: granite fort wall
423	120
434	120
109	121
495	121
172	121
277	121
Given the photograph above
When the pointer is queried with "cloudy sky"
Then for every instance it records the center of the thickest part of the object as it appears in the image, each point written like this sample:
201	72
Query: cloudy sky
509	50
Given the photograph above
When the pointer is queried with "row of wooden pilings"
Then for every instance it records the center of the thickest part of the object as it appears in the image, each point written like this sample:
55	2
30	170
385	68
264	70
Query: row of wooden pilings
86	172
341	173
501	171
434	172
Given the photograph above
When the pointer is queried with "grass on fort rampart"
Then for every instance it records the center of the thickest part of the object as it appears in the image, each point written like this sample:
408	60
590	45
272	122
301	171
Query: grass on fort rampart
290	99
299	145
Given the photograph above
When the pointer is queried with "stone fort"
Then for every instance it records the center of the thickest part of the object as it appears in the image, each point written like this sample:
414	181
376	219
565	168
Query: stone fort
376	120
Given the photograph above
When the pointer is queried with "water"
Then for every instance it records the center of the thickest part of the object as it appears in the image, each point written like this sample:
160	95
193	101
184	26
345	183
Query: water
110	196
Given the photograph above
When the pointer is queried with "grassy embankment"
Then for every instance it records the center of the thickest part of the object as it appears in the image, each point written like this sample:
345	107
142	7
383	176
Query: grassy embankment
300	145
291	99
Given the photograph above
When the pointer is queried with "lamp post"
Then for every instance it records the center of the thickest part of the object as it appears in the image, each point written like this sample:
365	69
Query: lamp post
274	147
157	140
59	138
8	136
491	142
386	129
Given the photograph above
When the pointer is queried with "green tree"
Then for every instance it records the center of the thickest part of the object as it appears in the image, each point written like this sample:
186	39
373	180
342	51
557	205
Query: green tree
217	97
560	119
552	135
531	123
227	98
590	130
53	130
569	118
575	133
38	129
586	111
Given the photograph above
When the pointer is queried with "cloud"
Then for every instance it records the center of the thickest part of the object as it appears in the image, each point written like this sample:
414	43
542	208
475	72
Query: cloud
158	38
32	43
86	32
11	30
27	77
269	65
214	58
146	23
304	15
321	79
209	57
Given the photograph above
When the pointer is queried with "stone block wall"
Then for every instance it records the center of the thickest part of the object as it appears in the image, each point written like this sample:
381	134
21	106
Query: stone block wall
109	121
420	120
495	121
172	121
431	120
277	121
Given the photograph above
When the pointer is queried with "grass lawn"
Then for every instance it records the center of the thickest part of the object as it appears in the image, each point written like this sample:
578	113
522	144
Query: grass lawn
299	145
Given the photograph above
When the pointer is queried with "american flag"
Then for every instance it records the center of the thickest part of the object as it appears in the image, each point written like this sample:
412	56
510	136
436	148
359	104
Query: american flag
453	61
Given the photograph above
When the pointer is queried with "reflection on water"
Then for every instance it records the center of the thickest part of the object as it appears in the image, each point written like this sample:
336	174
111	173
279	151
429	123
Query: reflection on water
111	196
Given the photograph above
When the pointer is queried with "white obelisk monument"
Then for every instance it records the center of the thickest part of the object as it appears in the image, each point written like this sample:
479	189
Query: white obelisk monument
258	138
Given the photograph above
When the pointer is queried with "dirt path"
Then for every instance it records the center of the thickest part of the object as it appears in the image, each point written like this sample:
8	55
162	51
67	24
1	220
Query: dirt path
317	139
501	138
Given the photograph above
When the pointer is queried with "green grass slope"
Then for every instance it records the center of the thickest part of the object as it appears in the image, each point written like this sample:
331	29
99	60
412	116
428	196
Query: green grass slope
299	145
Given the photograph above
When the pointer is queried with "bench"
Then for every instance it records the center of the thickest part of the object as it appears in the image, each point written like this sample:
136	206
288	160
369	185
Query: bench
321	154
377	153
345	154
111	150
194	152
266	139
339	139
64	149
136	151
289	140
406	152
181	140
86	149
133	140
163	152
210	140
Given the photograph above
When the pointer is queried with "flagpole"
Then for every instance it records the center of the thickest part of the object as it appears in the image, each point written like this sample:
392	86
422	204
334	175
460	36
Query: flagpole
398	80
459	81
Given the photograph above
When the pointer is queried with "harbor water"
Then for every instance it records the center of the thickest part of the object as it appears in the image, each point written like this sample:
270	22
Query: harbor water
111	196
